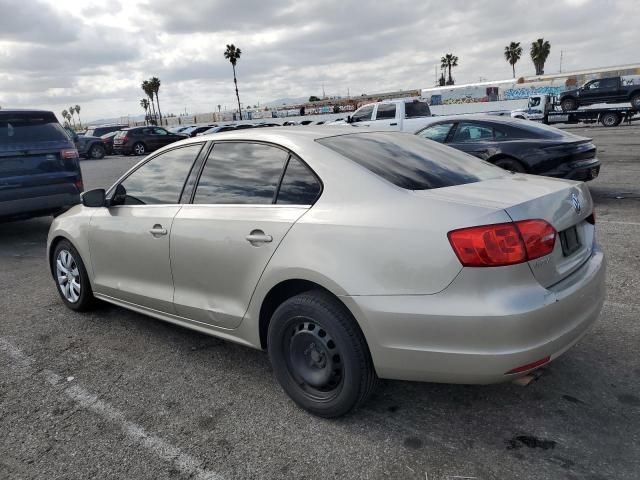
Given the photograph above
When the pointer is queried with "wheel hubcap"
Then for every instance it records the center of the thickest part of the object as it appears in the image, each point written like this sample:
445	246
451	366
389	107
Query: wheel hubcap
314	359
68	276
139	149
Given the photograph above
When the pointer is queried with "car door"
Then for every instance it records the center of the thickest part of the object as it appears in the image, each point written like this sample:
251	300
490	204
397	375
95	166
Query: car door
129	240
222	242
385	117
474	138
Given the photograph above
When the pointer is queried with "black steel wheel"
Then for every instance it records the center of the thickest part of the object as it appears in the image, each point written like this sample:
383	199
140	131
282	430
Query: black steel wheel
635	101
568	104
510	164
96	152
319	354
610	119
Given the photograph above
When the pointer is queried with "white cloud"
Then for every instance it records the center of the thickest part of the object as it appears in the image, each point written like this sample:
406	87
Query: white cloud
56	53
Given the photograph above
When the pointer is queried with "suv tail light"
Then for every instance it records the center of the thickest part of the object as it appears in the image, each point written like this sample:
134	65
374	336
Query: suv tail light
69	153
503	243
124	139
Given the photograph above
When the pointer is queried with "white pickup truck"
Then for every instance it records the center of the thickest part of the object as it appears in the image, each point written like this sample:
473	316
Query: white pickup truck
403	115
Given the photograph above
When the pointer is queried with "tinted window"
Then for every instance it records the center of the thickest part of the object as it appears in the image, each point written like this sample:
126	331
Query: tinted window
362	115
160	131
409	162
90	133
29	128
240	173
299	185
386	110
472	132
416	109
160	180
437	133
608	83
594	85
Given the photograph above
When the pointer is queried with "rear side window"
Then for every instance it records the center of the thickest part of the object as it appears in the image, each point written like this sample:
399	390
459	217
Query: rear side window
299	185
160	180
416	109
240	173
30	128
409	162
386	111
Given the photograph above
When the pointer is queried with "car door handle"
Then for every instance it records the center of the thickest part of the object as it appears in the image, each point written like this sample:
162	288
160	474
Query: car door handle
393	124
257	237
158	230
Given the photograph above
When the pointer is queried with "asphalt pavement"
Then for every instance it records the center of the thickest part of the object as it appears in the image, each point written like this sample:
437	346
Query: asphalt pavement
114	394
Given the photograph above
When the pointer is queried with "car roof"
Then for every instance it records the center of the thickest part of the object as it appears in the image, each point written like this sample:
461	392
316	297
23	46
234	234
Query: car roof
303	132
24	110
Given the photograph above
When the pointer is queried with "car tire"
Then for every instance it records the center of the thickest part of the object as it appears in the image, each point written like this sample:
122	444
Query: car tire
610	119
96	152
139	149
510	164
70	275
568	104
635	101
319	354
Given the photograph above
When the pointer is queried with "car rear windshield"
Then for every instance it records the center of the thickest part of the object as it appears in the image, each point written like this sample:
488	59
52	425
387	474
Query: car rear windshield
416	109
90	133
411	162
30	127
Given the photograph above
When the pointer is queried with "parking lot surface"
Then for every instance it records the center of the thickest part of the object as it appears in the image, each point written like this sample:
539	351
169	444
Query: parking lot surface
114	394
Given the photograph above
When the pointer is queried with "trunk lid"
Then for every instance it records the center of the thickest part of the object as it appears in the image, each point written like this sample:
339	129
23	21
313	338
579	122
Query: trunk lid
566	205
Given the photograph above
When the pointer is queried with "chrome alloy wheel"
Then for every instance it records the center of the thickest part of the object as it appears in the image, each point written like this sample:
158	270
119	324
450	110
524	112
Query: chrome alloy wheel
68	276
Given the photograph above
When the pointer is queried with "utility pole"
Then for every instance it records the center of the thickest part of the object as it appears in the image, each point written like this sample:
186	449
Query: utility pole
561	52
435	73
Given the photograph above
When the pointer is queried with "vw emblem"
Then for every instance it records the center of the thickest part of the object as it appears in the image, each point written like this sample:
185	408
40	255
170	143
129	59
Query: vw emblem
575	201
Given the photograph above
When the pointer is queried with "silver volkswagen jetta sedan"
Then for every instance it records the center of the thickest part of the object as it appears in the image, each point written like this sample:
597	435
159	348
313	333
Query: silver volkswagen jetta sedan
349	256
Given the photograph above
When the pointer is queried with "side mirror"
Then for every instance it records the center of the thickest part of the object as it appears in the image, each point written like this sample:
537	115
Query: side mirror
349	119
94	198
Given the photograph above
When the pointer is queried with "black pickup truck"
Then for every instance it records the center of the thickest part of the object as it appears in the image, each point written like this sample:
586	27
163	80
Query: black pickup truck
603	90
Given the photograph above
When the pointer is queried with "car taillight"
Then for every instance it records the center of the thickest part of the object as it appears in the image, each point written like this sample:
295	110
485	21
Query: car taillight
124	139
69	153
502	243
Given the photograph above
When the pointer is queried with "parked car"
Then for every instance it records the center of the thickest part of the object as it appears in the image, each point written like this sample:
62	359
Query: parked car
101	130
193	131
603	90
39	169
221	128
141	140
400	115
180	128
87	146
107	141
437	267
517	145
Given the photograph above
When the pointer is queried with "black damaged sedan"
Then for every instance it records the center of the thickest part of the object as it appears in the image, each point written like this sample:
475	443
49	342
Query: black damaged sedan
517	145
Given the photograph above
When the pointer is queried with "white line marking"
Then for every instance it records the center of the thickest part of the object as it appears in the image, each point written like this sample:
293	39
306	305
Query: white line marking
617	222
184	462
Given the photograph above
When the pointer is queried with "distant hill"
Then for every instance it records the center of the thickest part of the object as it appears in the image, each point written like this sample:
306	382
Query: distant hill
286	101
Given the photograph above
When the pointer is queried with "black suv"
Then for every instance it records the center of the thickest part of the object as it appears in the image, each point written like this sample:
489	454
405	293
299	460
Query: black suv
39	168
140	140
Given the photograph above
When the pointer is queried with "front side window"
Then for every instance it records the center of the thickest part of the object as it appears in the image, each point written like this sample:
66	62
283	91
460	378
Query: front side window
437	133
159	131
240	173
471	132
299	185
362	115
160	180
386	111
594	85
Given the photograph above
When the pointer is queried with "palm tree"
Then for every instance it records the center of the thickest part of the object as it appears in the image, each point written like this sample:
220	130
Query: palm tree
78	112
448	62
512	54
72	110
146	87
144	103
65	115
233	55
540	50
155	88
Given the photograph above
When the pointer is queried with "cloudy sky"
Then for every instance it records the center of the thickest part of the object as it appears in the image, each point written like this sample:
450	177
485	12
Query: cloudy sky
96	53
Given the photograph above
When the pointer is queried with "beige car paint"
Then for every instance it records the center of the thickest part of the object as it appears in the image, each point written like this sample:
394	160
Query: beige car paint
382	250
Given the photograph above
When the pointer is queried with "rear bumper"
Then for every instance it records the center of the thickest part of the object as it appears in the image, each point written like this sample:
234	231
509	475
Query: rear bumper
473	333
583	170
36	201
